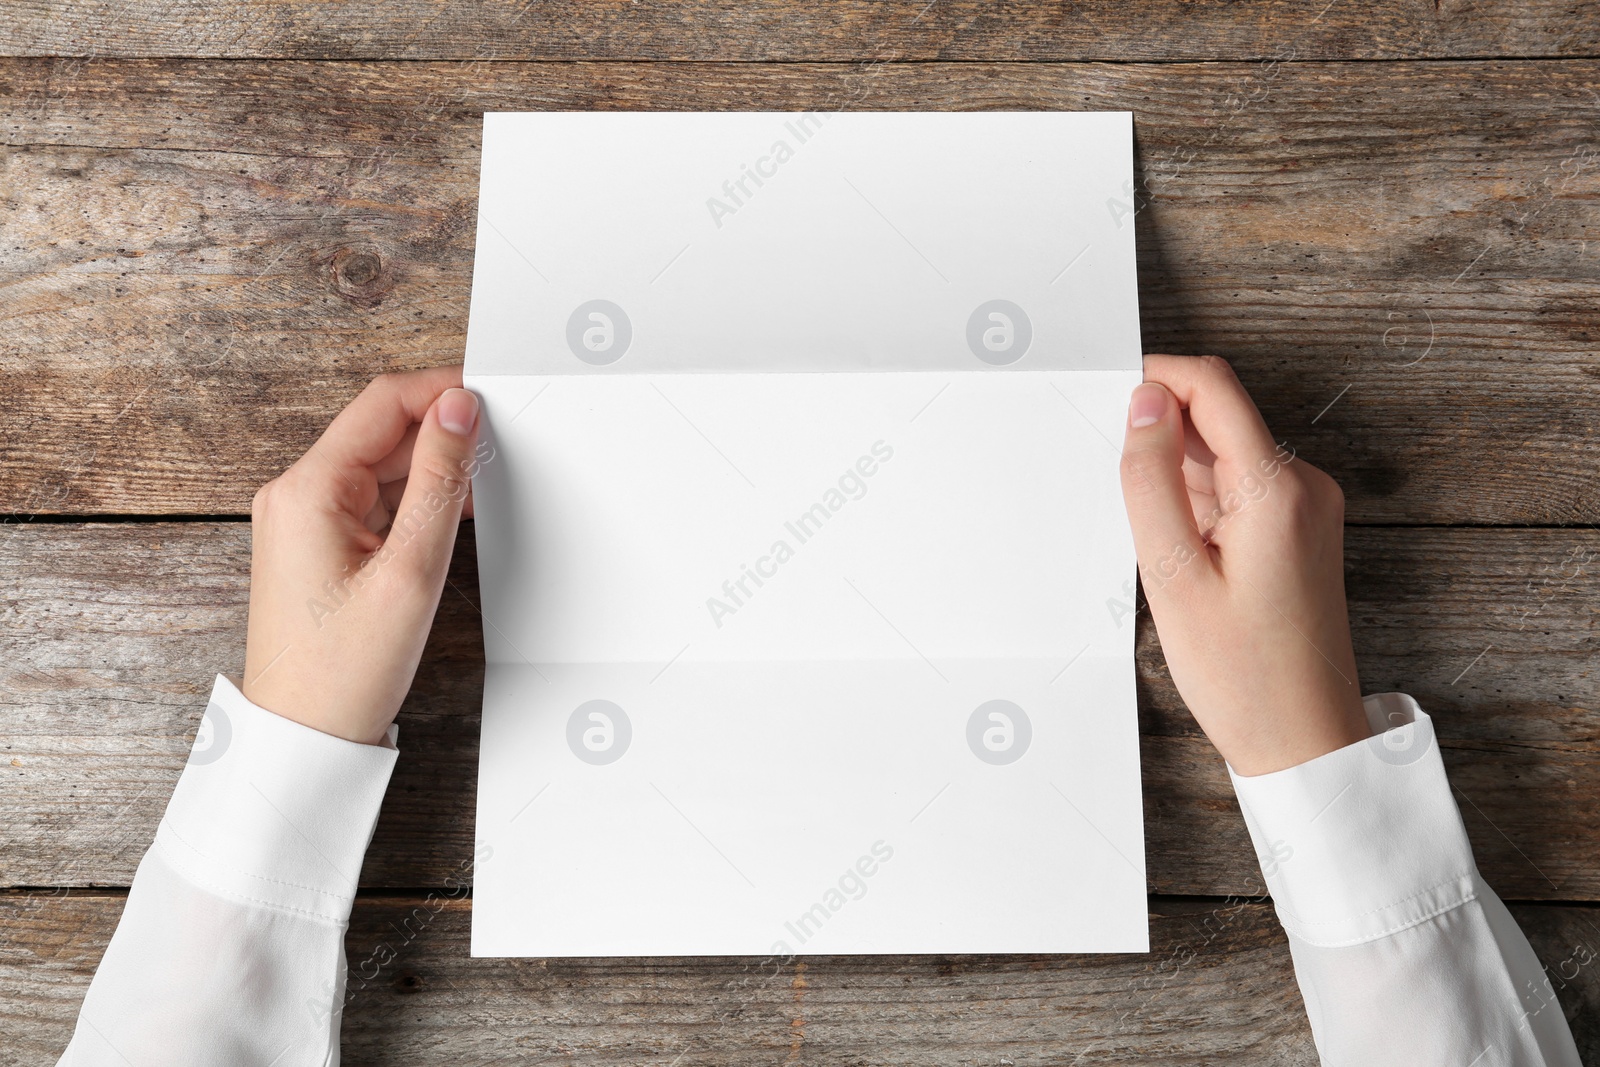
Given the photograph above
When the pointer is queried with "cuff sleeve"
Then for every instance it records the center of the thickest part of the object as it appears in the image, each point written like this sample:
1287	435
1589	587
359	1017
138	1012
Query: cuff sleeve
1362	842
273	813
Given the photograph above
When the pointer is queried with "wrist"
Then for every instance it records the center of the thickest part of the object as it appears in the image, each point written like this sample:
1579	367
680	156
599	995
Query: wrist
1284	737
315	711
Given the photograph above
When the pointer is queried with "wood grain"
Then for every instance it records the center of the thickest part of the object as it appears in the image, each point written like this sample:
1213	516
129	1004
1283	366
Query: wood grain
1217	986
789	30
114	632
203	261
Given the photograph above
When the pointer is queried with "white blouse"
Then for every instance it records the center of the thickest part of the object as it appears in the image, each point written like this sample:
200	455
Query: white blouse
1402	952
230	949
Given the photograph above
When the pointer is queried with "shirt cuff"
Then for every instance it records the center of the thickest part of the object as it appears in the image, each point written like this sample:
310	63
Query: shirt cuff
1365	841
273	813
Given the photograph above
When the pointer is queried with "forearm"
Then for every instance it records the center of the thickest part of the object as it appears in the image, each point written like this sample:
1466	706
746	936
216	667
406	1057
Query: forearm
1403	954
230	948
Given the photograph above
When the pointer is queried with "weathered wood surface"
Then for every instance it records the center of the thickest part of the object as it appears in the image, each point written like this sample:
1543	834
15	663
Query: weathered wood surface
202	261
790	30
1217	987
113	632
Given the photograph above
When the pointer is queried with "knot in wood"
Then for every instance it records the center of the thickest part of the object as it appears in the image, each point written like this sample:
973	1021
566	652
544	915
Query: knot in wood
361	276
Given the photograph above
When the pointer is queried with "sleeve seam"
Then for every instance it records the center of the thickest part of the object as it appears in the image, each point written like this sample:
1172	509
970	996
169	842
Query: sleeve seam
187	871
204	858
1454	878
1376	935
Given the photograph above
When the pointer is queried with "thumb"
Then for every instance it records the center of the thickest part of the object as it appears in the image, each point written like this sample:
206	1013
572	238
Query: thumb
1153	488
424	528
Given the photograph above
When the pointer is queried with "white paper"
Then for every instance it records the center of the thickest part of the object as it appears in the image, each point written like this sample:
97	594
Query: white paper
806	580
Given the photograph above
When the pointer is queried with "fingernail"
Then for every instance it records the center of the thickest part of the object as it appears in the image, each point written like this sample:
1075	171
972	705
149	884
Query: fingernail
458	411
1148	406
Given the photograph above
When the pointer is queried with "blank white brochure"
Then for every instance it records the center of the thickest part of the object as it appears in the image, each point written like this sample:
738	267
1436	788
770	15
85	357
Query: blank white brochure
807	585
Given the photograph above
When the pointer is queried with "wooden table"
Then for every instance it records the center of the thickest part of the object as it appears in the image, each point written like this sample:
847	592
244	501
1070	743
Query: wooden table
219	219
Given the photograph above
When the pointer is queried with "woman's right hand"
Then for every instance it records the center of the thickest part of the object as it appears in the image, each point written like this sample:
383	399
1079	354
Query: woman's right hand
1240	550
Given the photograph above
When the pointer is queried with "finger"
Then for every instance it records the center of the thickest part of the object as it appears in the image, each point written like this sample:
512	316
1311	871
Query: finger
1159	508
397	462
424	527
374	423
1202	505
378	517
1194	445
1199	474
1220	409
391	493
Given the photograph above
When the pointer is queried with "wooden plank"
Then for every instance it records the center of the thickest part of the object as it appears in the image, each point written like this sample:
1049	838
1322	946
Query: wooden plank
1217	987
789	31
114	631
203	261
